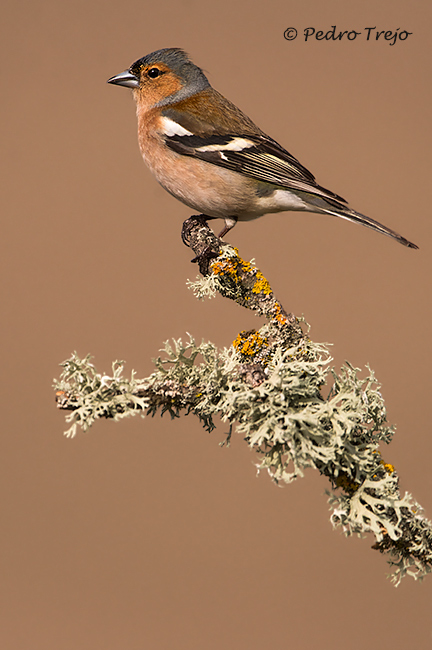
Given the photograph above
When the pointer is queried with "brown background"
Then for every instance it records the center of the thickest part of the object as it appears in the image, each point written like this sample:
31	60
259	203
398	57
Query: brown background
145	534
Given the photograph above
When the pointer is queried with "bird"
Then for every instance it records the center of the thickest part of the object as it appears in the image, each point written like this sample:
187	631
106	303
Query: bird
212	157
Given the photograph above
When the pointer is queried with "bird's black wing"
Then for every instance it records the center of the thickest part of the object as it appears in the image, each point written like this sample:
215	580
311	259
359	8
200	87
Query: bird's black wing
255	156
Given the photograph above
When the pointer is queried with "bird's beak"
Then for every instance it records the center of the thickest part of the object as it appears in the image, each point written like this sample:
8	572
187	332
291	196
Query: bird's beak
125	78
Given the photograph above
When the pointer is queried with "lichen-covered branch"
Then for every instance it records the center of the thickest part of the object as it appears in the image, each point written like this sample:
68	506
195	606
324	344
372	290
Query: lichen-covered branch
272	386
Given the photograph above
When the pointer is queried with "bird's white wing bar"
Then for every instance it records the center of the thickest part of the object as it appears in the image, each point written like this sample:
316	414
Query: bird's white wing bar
235	144
171	128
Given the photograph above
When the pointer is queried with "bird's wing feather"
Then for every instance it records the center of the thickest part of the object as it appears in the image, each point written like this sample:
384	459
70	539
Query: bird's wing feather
254	155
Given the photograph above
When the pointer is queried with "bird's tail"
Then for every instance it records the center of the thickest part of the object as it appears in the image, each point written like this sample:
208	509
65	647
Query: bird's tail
351	215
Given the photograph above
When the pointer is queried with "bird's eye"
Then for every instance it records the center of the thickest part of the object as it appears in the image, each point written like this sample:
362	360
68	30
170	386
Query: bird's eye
153	73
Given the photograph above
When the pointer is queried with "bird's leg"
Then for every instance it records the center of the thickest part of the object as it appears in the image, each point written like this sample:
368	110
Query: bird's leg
230	222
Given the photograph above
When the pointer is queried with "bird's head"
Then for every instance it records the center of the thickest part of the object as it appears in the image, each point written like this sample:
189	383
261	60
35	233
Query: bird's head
162	77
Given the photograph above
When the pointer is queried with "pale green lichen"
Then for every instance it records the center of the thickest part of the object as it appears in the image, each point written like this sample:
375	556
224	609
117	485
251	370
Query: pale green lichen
204	287
94	396
287	419
277	389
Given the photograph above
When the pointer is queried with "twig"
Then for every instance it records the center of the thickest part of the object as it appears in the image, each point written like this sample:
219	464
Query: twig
269	384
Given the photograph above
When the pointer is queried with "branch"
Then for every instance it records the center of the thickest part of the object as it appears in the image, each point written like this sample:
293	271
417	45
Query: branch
270	385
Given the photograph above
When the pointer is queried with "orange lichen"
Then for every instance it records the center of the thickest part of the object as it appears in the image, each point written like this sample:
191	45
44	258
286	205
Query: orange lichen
278	314
235	265
226	267
249	342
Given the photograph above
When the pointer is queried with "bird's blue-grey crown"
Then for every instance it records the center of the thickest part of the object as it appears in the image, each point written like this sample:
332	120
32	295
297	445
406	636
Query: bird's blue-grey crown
194	79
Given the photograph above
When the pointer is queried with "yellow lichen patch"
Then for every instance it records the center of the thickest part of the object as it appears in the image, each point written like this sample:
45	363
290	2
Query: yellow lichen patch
237	270
388	467
246	266
261	285
249	342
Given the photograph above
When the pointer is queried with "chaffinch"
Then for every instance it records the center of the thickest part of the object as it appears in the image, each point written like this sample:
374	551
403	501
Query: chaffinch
208	154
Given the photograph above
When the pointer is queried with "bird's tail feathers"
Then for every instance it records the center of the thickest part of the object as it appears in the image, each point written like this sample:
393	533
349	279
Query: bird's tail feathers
357	217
